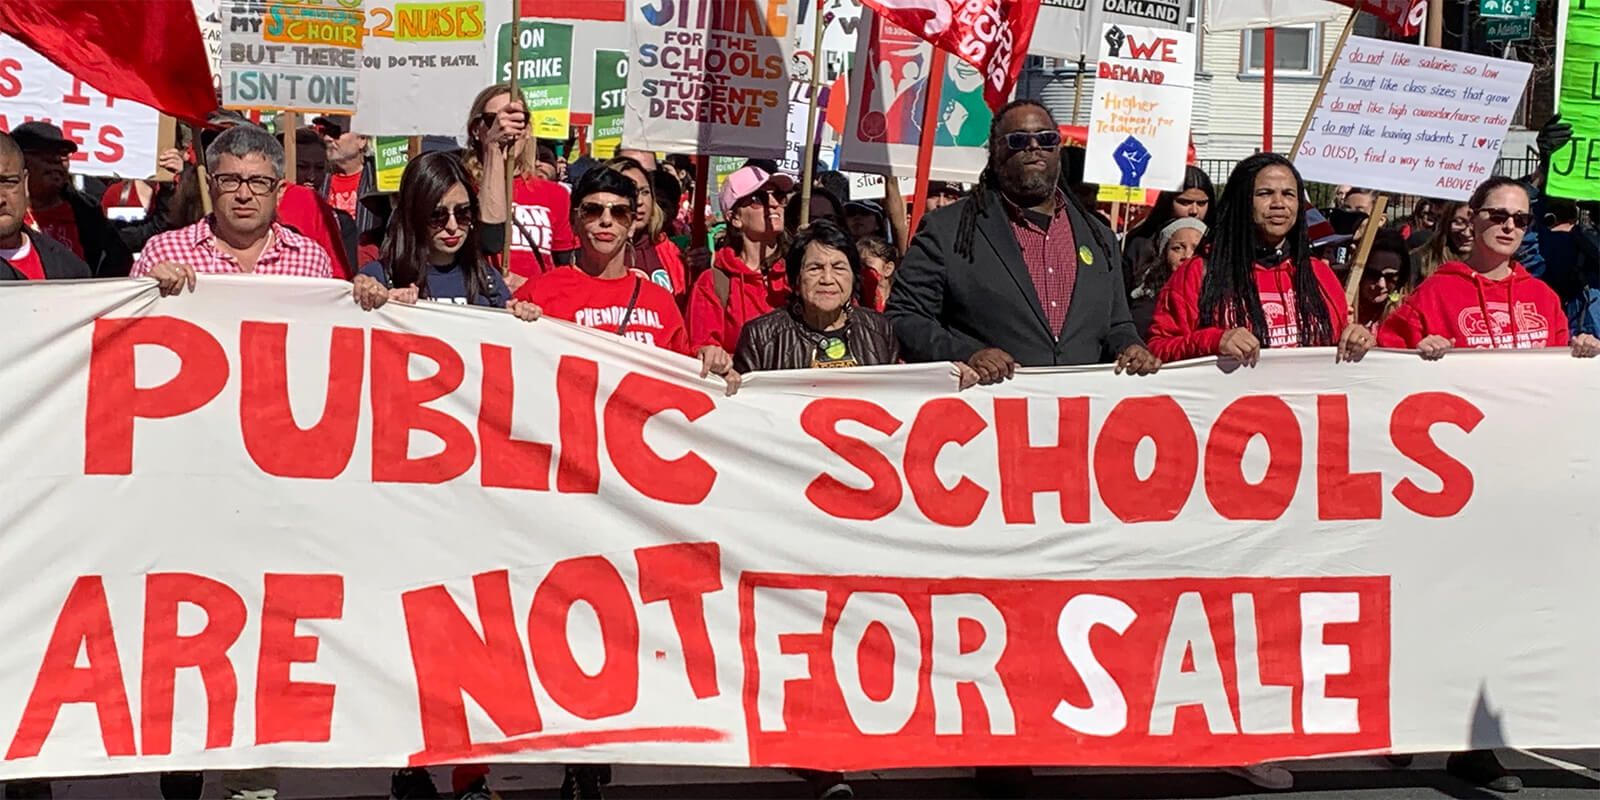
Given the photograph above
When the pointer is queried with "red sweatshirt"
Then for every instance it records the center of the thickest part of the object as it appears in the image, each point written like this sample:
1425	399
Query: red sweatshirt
1175	332
750	294
1458	303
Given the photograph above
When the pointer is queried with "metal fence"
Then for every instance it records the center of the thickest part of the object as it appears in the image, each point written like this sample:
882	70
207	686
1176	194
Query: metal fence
1399	204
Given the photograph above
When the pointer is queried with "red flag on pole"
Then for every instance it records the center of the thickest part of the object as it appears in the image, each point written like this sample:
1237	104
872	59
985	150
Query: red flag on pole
148	51
992	35
1404	17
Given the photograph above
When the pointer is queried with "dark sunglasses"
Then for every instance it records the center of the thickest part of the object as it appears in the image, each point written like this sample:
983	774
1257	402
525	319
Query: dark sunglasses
1022	140
764	197
1499	216
440	218
590	211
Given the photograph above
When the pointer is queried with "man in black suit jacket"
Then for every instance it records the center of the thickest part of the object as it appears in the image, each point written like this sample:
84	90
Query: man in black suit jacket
1018	274
33	251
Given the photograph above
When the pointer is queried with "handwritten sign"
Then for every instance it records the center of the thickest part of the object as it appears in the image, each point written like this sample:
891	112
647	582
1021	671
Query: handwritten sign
304	56
1411	119
417	53
1143	96
610	98
114	137
794	154
208	16
710	87
1575	169
544	57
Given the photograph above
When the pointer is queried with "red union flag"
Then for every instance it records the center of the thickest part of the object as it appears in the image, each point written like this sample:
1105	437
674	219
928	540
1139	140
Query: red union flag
991	35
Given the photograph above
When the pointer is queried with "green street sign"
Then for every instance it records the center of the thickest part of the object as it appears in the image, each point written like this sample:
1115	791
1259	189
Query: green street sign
1515	9
1508	30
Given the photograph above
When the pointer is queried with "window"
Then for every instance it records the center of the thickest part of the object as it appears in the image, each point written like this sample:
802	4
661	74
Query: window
1296	51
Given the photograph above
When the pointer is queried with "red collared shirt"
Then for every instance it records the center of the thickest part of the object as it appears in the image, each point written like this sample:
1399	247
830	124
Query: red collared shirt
1051	253
288	253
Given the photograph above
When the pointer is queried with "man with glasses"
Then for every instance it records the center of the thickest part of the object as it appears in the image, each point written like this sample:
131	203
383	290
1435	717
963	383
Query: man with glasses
1019	273
26	254
245	169
58	210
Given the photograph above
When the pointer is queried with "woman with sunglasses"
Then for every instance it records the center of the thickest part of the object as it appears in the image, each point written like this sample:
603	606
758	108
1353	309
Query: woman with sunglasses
742	283
651	253
1385	280
432	250
601	292
1488	300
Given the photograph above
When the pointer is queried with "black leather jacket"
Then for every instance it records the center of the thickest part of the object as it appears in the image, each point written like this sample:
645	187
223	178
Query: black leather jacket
781	340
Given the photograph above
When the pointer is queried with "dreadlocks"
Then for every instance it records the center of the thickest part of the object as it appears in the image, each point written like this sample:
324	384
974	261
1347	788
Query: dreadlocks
1228	294
978	200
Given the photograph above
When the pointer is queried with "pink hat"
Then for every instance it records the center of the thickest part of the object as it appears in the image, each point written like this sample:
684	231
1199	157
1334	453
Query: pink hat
746	181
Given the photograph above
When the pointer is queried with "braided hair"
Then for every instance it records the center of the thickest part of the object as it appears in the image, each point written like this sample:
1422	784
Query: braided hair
978	200
1228	294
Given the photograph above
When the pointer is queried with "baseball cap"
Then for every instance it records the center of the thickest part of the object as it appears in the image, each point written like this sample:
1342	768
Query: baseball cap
332	125
746	181
42	137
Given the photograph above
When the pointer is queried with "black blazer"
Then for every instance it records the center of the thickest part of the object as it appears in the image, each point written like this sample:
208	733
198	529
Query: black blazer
946	307
59	263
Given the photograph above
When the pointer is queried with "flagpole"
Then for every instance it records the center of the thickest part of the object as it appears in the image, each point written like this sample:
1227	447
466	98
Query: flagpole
1269	76
511	152
1352	283
1077	91
930	124
200	168
1322	86
288	122
809	167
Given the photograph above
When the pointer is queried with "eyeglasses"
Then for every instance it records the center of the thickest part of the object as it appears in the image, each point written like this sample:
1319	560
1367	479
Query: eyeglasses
230	182
765	197
590	211
1500	216
1022	140
440	218
1387	276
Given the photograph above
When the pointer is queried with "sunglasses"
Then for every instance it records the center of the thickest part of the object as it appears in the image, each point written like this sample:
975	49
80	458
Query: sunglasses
765	197
1500	216
590	211
440	218
1022	140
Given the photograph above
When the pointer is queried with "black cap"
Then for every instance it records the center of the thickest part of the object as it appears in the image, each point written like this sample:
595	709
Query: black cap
332	125
42	137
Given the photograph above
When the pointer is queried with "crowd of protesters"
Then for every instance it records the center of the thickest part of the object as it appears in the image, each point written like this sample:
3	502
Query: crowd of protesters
1019	270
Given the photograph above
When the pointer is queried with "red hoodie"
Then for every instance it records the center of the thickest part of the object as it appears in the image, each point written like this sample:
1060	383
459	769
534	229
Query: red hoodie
750	294
1461	305
1175	332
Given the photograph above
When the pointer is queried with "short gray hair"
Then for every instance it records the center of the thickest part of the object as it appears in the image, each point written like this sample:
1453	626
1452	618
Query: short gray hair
241	141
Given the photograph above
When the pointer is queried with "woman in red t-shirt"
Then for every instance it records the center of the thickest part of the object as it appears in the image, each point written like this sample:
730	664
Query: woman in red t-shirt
601	292
1256	285
653	254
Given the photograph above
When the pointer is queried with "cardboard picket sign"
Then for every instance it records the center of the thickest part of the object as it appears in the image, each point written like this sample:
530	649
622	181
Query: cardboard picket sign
114	137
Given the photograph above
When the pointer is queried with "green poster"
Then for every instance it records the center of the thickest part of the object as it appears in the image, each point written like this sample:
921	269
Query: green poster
610	94
1575	169
545	75
392	154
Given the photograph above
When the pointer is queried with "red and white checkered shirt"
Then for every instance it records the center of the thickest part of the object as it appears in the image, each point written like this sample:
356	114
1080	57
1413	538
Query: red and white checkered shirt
1051	254
288	253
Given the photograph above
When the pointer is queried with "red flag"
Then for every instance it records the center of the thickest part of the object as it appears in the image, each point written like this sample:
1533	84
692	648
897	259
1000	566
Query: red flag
1404	17
992	35
148	51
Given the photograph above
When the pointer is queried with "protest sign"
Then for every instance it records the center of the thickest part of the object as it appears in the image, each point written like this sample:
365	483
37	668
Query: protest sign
851	570
544	53
1575	168
794	154
1066	28
1410	119
1143	96
391	154
610	97
114	137
992	35
884	124
596	25
710	77
419	54
209	16
841	19
303	57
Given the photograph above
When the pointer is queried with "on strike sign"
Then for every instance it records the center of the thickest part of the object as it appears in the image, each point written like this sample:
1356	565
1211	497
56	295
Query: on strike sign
114	137
441	535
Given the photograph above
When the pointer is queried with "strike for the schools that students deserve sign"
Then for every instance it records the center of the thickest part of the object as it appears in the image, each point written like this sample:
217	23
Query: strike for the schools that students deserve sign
416	55
1143	98
254	525
709	76
1410	119
114	137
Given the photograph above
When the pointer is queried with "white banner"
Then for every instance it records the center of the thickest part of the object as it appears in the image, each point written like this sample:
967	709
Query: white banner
1143	96
1066	28
432	51
114	137
703	85
252	525
1238	15
1411	119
